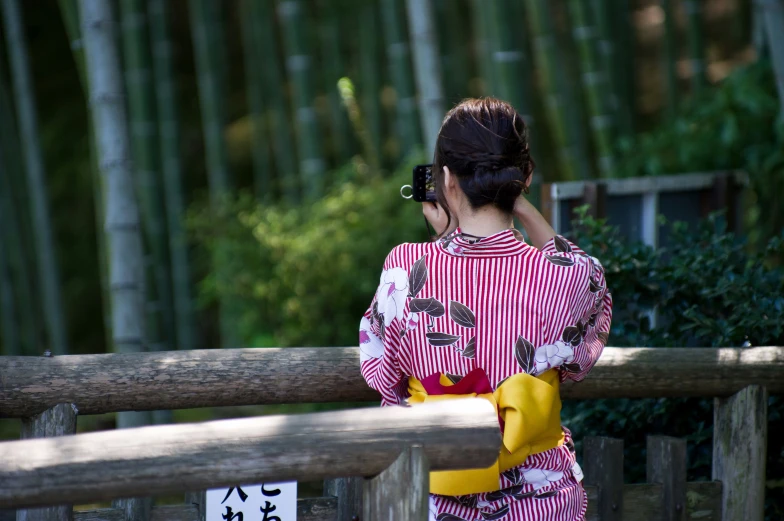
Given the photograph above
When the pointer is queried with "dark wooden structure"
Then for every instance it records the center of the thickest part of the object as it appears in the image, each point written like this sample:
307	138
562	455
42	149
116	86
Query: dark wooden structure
47	393
634	204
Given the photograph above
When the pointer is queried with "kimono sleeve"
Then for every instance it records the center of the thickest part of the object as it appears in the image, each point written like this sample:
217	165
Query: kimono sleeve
589	307
379	338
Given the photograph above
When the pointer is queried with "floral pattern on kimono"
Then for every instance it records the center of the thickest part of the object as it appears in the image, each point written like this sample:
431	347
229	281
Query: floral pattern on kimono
501	305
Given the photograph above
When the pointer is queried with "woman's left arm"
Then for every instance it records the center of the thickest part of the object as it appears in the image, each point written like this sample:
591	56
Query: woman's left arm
589	311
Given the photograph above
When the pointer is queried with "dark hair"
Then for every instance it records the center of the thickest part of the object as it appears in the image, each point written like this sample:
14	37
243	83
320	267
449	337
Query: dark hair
484	143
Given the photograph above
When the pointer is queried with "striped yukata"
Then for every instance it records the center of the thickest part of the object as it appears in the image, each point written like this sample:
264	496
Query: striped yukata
496	303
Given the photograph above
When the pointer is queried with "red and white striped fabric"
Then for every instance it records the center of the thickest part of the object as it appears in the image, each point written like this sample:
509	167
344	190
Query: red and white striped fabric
455	305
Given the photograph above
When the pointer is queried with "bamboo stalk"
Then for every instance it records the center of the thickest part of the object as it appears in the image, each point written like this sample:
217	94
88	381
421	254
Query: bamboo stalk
144	143
369	84
452	44
16	226
8	322
594	84
69	10
669	58
399	60
299	64
283	143
205	29
548	63
333	69
759	37
625	60
122	226
485	46
171	168
693	10
606	51
426	70
46	253
510	62
260	153
203	24
774	24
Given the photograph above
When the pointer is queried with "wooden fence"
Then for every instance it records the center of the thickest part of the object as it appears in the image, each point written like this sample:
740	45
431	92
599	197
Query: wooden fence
48	392
634	204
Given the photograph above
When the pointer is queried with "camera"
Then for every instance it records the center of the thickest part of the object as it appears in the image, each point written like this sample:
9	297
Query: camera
422	187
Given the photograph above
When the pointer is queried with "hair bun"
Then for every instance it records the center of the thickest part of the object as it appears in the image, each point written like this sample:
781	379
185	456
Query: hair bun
500	187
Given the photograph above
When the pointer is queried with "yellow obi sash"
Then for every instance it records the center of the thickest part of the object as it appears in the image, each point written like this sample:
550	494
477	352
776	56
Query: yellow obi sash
529	408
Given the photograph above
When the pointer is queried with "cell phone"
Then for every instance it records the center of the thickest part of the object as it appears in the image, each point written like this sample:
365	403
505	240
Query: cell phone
422	186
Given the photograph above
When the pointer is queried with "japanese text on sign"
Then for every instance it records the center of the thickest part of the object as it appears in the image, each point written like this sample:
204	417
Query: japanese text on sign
262	502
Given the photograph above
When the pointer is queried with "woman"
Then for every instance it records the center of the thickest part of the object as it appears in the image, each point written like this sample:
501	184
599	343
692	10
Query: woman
479	311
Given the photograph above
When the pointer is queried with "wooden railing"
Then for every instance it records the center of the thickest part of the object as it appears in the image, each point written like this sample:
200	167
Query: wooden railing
47	393
176	458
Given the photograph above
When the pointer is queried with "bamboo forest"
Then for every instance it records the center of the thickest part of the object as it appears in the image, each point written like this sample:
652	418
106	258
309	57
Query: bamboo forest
219	174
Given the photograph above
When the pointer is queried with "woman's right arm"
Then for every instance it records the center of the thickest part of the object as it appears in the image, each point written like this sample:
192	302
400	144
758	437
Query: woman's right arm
539	230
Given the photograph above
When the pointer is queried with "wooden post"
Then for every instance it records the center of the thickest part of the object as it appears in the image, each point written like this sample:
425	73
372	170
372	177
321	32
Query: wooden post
401	492
348	492
603	468
134	509
198	500
740	439
667	465
549	206
595	195
59	420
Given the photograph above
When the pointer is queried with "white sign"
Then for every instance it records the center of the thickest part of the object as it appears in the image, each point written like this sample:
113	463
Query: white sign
262	502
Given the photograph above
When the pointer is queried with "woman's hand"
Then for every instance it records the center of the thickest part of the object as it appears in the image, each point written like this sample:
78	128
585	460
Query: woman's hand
538	229
523	209
436	216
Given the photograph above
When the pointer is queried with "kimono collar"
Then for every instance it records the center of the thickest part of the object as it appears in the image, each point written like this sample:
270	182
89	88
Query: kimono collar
502	244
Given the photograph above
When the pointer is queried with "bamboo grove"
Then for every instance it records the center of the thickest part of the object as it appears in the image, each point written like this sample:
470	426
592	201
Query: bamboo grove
303	87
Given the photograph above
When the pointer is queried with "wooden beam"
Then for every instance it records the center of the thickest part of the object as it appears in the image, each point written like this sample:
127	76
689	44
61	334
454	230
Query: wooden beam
348	492
400	492
740	440
642	502
59	420
308	509
175	458
603	468
134	509
181	379
197	500
666	465
219	377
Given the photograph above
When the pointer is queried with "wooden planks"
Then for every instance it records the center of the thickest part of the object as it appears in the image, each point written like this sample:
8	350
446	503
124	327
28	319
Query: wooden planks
401	492
59	420
740	440
666	465
348	492
603	468
642	502
173	458
221	377
308	509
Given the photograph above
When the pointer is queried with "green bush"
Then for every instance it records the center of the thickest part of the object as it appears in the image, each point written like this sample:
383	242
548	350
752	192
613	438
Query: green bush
708	290
734	126
305	275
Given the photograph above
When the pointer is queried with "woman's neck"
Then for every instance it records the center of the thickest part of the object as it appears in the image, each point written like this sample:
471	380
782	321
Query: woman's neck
484	222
